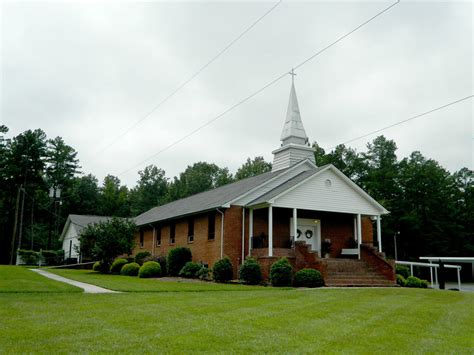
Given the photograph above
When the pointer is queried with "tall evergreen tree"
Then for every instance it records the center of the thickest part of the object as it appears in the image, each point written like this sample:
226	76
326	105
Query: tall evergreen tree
253	167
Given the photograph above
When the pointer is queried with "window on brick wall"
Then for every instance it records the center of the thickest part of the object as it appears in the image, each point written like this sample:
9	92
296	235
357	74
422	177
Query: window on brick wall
211	226
172	233
142	238
190	230
158	236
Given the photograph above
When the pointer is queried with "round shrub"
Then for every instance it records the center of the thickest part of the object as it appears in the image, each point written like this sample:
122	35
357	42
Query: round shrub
308	278
177	258
250	272
413	281
401	280
280	273
160	260
140	257
150	269
222	270
424	284
403	270
190	270
117	265
130	269
101	267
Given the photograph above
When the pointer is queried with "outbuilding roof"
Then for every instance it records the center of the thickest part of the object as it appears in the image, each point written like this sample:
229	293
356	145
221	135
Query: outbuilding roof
81	221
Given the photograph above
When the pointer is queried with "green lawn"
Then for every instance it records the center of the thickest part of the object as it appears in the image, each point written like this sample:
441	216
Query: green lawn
135	284
15	279
259	320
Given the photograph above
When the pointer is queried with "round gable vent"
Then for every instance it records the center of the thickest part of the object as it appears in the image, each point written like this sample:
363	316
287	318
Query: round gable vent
328	183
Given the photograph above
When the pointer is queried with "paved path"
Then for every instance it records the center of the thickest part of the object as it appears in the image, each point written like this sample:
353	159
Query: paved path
88	288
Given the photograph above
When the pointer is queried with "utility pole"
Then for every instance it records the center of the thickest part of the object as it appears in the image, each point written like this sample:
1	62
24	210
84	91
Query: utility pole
15	225
20	234
395	243
31	223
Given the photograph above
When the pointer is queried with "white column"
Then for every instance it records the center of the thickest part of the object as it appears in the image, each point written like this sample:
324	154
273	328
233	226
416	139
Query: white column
379	233
295	224
359	234
270	230
355	228
250	229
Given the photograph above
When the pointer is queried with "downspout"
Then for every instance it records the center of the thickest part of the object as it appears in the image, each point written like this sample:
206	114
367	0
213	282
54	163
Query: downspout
153	240
222	232
243	235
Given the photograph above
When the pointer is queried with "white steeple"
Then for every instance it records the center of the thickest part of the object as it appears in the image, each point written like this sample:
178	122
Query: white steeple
293	130
294	141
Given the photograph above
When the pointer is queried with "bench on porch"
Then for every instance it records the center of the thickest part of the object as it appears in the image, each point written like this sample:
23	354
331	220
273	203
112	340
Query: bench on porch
350	252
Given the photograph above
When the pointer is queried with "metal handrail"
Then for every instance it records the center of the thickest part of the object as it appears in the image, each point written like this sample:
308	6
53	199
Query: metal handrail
431	266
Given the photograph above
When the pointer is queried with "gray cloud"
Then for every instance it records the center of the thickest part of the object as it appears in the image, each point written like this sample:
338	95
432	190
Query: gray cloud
88	71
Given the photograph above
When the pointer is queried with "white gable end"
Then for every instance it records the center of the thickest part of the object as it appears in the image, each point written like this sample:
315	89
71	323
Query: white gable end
327	191
271	184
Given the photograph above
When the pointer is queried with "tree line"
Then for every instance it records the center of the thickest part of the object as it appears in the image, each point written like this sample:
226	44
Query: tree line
430	207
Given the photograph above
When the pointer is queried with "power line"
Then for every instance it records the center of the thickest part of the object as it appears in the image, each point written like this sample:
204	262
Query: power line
272	82
192	77
403	121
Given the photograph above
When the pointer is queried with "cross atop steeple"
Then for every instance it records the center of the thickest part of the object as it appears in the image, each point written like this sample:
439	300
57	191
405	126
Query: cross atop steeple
293	74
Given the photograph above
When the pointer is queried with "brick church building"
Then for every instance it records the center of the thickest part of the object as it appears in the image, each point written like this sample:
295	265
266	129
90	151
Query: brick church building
313	215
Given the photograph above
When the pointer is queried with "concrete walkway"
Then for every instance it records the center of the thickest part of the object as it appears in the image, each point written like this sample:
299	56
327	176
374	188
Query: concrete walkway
88	288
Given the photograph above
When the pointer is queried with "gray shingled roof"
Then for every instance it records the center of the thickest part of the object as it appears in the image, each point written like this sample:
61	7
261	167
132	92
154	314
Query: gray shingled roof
204	201
81	221
286	185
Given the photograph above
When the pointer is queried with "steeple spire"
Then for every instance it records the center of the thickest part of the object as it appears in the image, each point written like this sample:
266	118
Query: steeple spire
294	141
293	130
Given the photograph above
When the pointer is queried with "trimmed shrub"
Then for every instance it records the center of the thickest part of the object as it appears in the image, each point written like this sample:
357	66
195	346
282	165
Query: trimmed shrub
150	269
280	273
403	270
190	270
117	265
177	258
204	274
413	281
140	257
250	272
130	269
160	260
401	280
424	283
100	266
308	278
222	270
29	257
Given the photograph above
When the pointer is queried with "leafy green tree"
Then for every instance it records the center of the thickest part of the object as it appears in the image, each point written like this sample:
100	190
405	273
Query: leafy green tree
104	241
253	167
197	178
114	198
150	191
83	196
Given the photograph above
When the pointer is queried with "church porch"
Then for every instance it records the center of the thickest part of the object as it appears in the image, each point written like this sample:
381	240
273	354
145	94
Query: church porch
327	234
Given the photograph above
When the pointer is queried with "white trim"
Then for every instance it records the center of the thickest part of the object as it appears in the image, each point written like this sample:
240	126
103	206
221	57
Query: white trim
295	224
351	184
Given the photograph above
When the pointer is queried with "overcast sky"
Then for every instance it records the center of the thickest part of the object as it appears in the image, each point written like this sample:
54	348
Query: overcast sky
87	72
